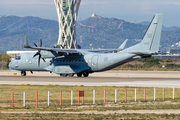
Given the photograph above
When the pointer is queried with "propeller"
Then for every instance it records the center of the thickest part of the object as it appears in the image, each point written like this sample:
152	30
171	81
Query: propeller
39	53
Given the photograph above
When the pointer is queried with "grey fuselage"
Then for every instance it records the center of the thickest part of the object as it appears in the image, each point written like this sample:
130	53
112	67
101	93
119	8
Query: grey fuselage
83	61
71	64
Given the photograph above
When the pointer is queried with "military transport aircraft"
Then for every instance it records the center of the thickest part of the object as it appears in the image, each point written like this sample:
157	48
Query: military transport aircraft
68	62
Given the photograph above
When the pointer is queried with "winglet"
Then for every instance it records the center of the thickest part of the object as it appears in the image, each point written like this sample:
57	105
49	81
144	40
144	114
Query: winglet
26	43
123	44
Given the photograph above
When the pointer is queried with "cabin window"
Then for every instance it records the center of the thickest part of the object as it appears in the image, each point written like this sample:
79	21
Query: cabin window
60	60
73	60
66	60
82	60
79	60
63	60
70	60
18	58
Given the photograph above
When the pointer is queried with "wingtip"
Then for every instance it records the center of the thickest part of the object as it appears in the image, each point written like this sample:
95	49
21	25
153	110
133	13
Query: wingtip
123	44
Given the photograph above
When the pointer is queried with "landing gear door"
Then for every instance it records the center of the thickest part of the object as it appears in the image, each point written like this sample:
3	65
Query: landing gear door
94	64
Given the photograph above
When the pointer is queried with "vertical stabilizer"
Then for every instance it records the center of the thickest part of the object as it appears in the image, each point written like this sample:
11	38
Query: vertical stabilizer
151	39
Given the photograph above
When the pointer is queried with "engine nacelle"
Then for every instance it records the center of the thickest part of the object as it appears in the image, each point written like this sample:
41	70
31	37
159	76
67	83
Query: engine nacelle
49	54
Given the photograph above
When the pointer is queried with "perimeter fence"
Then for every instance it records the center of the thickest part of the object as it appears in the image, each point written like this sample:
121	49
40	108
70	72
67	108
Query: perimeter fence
58	98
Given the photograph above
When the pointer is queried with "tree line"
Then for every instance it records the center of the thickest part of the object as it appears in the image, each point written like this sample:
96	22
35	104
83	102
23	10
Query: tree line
4	60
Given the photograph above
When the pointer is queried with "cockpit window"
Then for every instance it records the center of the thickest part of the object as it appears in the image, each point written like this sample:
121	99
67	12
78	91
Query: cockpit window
18	58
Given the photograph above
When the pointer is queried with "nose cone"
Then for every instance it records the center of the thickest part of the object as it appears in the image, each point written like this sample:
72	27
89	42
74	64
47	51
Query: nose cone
10	65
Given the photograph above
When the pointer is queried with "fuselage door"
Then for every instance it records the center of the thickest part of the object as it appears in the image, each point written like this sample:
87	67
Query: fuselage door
94	64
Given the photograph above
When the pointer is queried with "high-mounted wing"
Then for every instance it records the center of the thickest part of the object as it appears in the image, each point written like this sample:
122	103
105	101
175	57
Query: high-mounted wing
121	47
72	51
62	51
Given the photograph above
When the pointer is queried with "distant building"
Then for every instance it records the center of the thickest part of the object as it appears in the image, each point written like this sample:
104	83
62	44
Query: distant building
93	15
175	51
173	57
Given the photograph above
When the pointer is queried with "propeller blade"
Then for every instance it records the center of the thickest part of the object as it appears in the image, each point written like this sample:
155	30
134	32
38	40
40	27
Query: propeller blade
39	60
40	42
35	44
43	59
36	54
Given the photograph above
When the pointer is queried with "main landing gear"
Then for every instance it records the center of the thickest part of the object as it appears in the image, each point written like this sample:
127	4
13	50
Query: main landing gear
23	73
85	74
67	75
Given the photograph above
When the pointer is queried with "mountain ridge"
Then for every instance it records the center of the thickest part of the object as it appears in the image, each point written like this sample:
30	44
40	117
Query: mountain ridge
94	32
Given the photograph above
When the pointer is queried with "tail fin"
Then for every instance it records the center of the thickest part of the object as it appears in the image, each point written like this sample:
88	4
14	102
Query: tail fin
151	39
26	43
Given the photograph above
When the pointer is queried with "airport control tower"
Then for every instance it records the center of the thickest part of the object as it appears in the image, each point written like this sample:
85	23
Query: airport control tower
67	11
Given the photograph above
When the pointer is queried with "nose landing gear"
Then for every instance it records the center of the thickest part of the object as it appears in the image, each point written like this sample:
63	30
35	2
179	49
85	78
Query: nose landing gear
23	73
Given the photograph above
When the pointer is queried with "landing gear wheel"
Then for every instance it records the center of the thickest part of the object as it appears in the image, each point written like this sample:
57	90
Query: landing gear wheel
79	74
63	75
85	74
23	73
71	75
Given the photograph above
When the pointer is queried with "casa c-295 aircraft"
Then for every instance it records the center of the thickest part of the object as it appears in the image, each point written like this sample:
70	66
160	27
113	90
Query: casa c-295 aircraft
68	62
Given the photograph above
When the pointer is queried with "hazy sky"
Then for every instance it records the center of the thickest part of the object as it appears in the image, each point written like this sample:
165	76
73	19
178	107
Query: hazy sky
130	10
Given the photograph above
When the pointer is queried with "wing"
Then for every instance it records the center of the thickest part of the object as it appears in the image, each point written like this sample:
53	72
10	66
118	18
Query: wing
103	50
72	51
61	51
110	50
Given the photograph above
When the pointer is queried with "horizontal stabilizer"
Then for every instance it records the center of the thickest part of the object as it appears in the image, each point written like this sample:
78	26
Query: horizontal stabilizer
142	53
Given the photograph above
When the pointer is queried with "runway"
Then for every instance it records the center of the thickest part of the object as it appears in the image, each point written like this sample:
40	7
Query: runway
110	78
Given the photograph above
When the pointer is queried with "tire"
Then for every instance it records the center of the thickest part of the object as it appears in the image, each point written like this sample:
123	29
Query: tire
85	74
23	73
64	75
71	75
79	74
